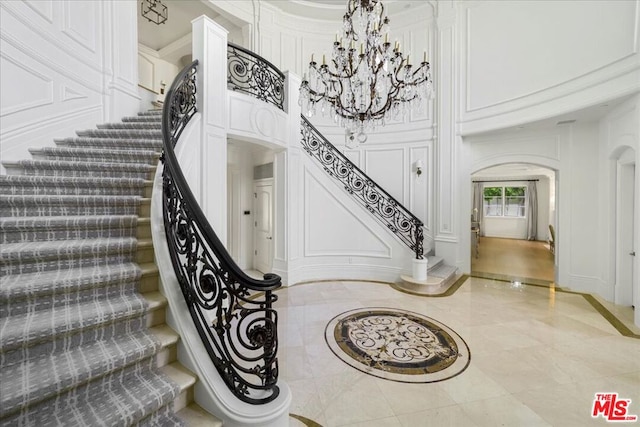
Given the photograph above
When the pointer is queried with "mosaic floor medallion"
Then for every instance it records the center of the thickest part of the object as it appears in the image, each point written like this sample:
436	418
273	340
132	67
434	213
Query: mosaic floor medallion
397	345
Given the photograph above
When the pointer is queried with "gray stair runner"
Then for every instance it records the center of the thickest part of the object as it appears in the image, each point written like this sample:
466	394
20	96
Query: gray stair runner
74	344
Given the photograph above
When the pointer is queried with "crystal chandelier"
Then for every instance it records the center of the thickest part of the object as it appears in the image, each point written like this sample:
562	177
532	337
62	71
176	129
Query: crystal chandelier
154	11
367	81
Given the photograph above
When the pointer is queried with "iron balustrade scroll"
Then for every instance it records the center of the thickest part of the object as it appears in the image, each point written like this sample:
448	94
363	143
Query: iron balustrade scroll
251	74
232	312
406	226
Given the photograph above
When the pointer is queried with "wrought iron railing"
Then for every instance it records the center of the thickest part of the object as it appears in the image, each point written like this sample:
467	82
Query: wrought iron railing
232	312
254	75
406	226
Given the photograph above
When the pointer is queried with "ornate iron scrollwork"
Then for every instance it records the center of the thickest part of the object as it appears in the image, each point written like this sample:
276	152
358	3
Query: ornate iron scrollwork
406	226
232	312
251	74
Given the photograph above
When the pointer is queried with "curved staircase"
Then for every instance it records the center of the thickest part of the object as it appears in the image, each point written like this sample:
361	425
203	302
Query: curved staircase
83	339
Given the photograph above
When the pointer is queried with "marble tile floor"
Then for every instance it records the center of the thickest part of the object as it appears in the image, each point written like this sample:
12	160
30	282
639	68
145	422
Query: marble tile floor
538	356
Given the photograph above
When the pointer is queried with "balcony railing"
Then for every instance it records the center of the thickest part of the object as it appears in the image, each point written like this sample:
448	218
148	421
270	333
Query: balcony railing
251	74
232	312
398	219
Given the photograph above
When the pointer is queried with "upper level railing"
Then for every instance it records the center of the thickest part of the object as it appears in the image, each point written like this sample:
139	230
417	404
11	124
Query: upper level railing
406	226
232	312
254	75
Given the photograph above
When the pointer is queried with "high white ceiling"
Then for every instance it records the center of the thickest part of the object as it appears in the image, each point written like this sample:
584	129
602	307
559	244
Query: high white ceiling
335	9
181	12
178	24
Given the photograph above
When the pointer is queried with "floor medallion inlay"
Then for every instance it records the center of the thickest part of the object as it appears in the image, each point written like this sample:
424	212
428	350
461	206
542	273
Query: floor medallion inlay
397	345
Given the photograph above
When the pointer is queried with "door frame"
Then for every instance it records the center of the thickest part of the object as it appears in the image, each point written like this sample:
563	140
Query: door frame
256	184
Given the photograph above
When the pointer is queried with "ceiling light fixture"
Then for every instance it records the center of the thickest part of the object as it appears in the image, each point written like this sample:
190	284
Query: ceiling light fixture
154	11
367	81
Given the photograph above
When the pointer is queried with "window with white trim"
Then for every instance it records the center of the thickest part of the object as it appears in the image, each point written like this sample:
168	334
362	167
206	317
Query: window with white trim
505	201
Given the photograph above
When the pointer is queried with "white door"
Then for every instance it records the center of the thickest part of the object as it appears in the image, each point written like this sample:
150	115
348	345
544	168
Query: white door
625	251
263	225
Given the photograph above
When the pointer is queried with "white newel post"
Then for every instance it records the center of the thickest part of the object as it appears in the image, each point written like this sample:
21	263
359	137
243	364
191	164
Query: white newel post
210	49
420	269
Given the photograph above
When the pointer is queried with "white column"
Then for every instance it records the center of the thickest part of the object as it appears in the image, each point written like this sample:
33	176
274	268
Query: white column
447	143
210	49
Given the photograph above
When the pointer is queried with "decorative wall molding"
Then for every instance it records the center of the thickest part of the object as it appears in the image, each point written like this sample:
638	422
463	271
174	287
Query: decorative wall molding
39	92
48	35
74	27
8	133
613	73
47	63
321	189
257	121
70	94
43	8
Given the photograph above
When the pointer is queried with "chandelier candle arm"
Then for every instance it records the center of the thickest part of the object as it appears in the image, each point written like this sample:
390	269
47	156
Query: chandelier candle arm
365	89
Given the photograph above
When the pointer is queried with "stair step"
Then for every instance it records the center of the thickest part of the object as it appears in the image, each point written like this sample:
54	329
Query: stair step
57	373
107	143
194	415
44	228
66	324
14	288
121	133
69	168
134	395
156	118
95	154
32	257
152	113
168	339
155	125
156	304
434	262
185	381
54	205
443	271
68	185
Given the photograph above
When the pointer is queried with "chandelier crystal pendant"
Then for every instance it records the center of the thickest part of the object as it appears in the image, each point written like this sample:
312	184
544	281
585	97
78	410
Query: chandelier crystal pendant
367	81
154	11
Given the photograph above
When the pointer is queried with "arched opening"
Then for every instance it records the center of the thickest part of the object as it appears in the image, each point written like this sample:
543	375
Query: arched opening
513	221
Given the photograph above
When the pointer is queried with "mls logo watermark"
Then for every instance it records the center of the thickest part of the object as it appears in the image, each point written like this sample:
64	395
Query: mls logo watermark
611	408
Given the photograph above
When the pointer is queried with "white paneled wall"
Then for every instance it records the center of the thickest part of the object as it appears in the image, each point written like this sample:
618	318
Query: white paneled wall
526	60
64	65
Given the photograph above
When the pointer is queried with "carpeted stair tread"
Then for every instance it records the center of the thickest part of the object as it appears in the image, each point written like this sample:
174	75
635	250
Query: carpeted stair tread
144	119
28	329
152	113
58	205
41	228
95	154
34	184
133	395
131	125
82	168
58	282
119	143
56	373
121	133
63	253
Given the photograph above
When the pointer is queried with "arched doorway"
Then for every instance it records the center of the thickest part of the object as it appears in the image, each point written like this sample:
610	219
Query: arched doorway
514	221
